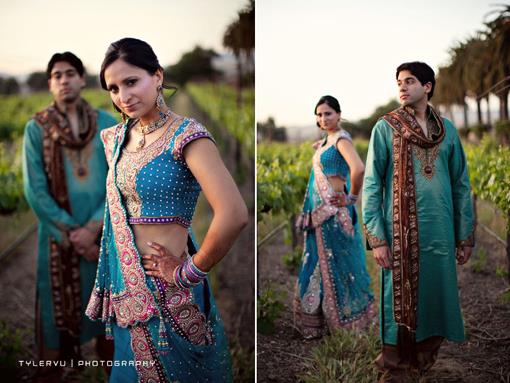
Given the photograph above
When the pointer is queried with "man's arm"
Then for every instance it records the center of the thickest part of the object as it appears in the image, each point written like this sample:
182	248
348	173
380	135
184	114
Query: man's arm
57	220
373	188
462	203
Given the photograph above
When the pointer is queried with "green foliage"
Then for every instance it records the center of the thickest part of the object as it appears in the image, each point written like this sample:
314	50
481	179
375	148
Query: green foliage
488	172
292	260
9	86
11	178
196	64
268	131
283	171
269	309
11	345
479	129
502	128
361	146
364	126
282	176
501	272
220	102
344	356
479	263
243	363
505	297
17	110
38	81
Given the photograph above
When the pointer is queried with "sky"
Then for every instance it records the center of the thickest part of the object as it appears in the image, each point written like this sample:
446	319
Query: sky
32	30
350	49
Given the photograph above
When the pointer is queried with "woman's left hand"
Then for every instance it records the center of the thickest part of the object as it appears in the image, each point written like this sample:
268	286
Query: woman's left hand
160	264
338	199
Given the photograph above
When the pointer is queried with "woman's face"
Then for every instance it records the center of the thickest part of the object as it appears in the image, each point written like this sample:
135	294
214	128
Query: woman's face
132	89
327	117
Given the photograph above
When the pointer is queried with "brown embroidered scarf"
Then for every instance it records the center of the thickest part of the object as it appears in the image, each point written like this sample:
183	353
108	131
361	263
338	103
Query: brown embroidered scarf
407	132
64	260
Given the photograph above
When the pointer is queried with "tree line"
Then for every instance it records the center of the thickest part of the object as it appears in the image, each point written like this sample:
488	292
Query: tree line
479	67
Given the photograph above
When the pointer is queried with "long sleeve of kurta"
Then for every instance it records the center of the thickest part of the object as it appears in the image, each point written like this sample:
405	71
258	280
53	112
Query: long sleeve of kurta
461	195
373	187
35	183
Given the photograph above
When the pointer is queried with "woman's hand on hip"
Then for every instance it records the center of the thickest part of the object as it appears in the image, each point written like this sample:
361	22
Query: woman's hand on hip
160	263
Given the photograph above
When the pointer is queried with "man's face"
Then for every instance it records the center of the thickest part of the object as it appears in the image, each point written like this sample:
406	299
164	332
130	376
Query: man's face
410	89
65	82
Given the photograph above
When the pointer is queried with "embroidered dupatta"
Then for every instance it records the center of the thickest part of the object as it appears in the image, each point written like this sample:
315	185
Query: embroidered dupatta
405	267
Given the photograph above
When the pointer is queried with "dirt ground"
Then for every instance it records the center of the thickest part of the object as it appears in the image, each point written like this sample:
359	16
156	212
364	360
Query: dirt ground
484	357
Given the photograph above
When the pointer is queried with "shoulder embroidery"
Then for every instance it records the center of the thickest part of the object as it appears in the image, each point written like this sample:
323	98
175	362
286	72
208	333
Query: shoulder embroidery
192	131
108	139
373	241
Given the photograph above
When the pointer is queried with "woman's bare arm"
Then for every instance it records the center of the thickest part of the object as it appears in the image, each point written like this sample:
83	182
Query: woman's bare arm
356	166
230	212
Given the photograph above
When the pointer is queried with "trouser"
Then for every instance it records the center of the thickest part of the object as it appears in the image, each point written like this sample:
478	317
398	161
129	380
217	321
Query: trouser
395	369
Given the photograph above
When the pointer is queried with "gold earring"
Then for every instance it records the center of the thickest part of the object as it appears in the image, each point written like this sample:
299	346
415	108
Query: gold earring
160	100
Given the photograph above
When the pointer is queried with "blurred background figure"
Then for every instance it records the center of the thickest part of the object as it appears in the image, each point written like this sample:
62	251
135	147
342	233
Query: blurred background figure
64	171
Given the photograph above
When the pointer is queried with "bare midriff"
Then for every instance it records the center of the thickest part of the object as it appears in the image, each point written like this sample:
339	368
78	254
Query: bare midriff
336	182
172	236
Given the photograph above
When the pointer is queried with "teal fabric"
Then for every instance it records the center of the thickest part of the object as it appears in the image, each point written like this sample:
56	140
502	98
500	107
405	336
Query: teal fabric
86	197
445	217
346	255
333	163
184	361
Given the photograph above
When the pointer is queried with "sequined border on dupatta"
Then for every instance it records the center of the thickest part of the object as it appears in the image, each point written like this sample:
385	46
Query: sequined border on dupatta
151	370
136	303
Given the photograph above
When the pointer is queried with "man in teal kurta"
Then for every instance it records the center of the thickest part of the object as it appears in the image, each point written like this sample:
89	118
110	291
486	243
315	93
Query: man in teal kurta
64	179
418	219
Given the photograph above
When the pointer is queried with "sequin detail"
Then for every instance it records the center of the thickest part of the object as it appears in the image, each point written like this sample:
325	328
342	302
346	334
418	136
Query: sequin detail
158	220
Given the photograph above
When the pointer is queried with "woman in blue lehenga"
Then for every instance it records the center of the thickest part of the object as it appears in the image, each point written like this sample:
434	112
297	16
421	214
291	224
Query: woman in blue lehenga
151	287
333	284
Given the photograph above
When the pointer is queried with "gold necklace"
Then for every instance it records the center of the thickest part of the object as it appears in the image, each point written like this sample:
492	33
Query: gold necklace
151	127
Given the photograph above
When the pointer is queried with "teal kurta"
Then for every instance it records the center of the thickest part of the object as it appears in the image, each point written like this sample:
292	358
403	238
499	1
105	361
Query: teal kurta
445	218
86	197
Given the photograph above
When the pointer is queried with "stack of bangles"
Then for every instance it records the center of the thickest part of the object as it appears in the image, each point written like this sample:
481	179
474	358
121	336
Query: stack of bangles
187	275
351	199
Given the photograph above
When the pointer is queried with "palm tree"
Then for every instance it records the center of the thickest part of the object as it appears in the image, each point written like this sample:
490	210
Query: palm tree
476	70
240	38
498	35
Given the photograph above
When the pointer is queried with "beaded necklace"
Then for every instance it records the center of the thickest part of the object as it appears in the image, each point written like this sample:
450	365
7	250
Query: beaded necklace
151	127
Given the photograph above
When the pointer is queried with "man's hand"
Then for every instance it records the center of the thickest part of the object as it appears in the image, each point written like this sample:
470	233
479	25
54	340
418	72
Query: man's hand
463	254
382	256
82	239
91	253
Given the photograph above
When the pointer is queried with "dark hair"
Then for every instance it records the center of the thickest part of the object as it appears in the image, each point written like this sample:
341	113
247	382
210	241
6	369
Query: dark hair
330	101
422	72
133	51
68	57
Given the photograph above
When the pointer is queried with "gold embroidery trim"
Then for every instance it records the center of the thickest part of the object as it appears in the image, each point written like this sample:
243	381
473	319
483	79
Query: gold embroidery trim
427	158
373	241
